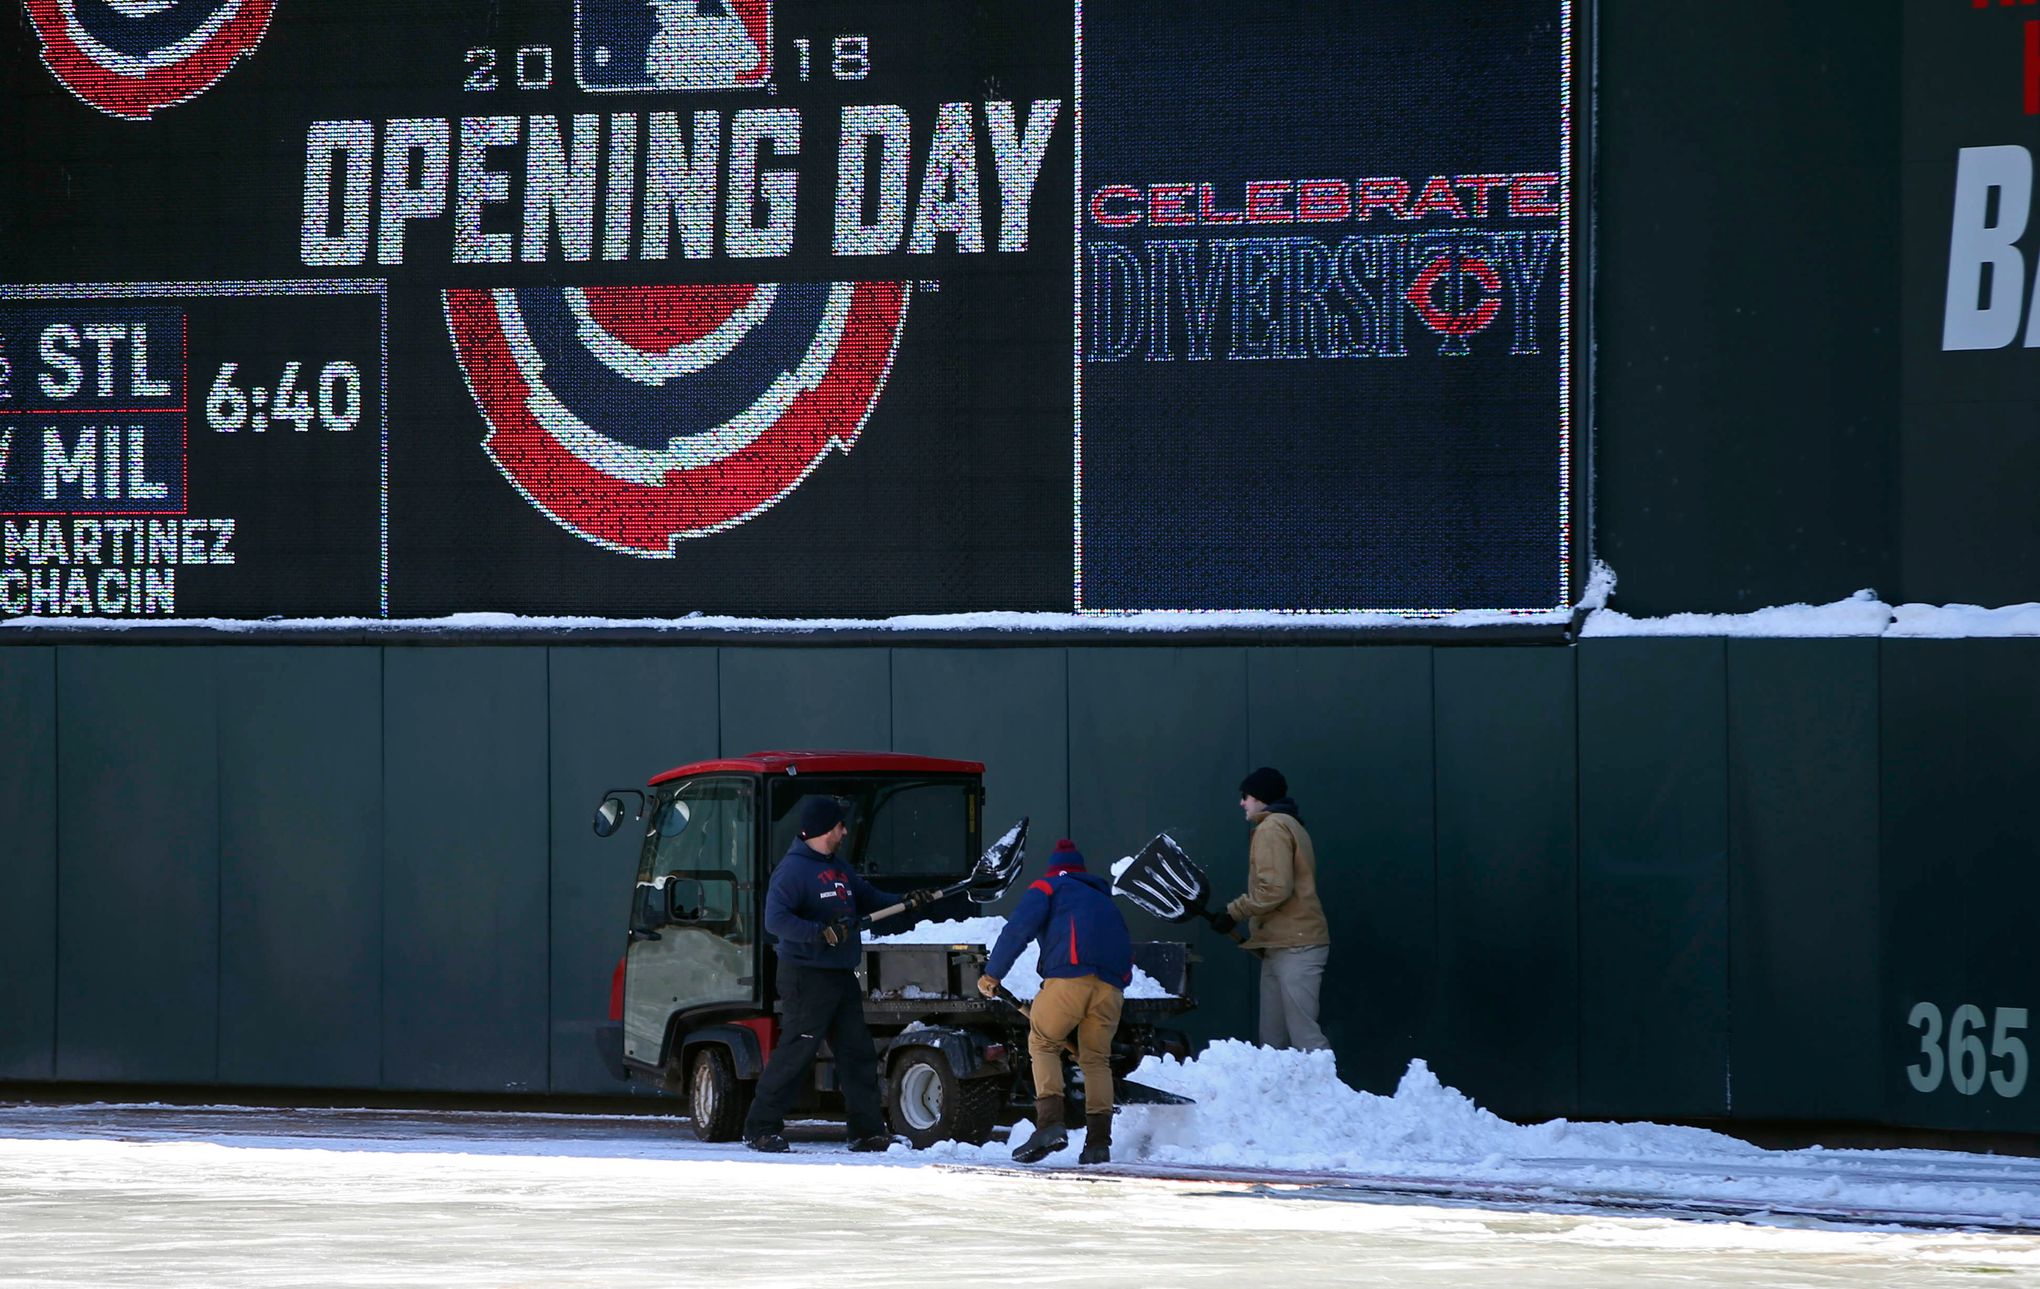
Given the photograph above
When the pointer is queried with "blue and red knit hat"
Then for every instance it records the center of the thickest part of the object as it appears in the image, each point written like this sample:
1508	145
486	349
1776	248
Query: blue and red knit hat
1067	859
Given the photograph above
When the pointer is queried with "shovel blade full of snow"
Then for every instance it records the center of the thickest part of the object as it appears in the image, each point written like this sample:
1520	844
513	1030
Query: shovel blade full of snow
999	866
992	876
1165	882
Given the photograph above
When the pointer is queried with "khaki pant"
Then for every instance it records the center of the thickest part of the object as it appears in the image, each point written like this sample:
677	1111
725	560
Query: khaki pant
1089	1007
1290	981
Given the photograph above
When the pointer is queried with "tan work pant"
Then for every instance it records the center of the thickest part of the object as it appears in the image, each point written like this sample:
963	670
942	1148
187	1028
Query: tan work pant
1088	1007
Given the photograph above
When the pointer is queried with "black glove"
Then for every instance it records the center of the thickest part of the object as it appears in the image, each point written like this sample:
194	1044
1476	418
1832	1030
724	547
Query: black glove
843	932
1221	922
918	900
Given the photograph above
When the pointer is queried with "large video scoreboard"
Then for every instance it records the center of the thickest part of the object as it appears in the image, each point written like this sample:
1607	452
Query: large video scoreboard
642	308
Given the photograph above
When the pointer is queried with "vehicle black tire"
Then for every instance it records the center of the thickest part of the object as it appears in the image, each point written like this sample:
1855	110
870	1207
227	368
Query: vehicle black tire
928	1103
717	1098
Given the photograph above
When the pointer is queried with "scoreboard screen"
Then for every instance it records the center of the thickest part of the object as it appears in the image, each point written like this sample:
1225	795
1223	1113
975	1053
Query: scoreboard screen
849	308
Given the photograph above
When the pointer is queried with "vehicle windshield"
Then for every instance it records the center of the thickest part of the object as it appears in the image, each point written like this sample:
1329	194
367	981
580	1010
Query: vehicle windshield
908	828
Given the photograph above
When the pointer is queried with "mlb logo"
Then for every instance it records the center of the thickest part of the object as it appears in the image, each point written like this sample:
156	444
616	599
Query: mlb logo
651	46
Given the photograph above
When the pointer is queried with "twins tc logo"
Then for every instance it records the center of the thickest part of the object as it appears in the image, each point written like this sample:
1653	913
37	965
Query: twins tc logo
130	57
635	417
673	44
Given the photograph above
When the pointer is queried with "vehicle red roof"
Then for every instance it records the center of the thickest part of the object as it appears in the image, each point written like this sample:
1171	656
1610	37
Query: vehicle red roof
818	762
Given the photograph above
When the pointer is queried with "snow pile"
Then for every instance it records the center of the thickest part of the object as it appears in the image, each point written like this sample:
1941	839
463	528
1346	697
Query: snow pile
1259	1107
1282	1111
1025	977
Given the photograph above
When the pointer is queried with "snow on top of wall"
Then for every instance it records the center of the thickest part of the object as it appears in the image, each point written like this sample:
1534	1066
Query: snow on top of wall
1948	621
1862	614
1137	622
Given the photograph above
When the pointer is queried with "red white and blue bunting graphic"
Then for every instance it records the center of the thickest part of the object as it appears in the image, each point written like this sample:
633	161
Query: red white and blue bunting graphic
637	417
130	58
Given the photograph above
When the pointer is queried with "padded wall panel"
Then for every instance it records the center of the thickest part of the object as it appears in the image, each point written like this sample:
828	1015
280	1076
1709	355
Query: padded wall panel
138	886
1960	879
790	699
1008	708
465	975
28	872
301	784
1507	997
1654	1000
1806	958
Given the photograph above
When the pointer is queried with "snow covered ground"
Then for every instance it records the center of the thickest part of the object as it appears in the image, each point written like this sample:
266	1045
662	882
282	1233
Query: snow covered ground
1279	1171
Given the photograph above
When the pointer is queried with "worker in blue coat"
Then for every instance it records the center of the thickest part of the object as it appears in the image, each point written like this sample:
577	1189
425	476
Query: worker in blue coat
814	908
1086	963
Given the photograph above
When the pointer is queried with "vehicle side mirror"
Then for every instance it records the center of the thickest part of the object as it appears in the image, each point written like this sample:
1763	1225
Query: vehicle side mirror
609	814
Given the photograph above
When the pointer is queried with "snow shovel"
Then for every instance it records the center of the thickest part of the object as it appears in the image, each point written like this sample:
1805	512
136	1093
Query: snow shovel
992	876
1165	882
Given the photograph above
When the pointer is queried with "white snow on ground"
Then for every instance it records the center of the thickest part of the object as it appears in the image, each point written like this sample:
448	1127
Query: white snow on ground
1263	1109
249	1198
1025	977
226	1198
1370	1189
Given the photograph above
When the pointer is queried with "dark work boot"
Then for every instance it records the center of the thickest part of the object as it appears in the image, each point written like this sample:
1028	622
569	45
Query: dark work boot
1097	1139
1048	1137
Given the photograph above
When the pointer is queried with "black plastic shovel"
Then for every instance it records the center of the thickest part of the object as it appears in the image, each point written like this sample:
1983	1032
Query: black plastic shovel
1165	882
992	876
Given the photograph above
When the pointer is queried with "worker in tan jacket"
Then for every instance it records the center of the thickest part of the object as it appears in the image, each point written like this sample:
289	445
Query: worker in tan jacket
1288	923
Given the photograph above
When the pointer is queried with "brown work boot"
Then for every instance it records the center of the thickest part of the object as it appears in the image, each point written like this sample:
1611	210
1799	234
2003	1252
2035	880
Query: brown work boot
1048	1137
1097	1139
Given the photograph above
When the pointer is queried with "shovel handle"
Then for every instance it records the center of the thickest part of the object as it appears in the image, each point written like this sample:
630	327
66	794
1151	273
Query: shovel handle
1233	933
901	907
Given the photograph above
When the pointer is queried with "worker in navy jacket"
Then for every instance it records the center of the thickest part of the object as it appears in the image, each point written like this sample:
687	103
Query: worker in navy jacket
814	907
1086	962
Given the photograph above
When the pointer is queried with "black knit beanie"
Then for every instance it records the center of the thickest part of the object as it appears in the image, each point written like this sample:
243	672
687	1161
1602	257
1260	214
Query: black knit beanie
1265	784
